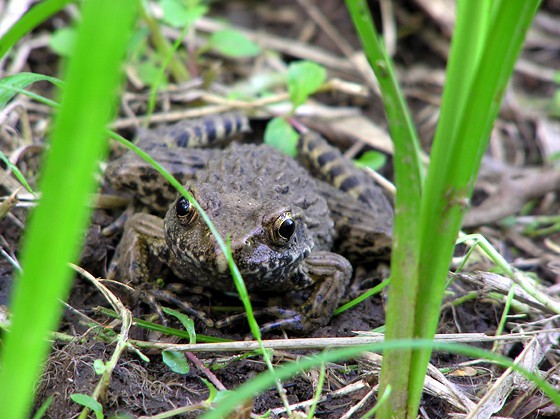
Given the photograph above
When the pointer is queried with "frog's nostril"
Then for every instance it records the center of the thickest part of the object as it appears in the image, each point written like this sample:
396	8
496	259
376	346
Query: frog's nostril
243	244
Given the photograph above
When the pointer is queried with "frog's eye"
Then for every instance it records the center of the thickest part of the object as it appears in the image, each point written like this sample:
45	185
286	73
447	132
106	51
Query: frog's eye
185	210
284	227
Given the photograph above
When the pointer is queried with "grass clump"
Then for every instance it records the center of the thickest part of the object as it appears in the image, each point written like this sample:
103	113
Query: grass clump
429	214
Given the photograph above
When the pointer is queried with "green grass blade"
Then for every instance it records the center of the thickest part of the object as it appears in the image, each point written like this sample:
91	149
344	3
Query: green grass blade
456	158
262	382
56	226
11	85
463	58
16	172
409	178
38	14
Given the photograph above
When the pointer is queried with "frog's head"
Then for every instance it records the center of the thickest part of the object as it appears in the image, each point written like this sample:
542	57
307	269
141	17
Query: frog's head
268	239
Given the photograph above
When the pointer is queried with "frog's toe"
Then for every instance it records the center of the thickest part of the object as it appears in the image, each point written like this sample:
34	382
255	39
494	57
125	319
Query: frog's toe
295	323
153	297
286	319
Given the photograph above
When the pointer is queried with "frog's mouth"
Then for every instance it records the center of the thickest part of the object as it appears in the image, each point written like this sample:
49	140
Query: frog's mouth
264	267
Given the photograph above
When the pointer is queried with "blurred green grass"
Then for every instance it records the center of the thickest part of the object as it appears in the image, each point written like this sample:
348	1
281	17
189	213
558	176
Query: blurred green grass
56	227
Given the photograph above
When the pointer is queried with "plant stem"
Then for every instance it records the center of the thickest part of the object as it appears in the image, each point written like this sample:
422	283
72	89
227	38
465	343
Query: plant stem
408	176
456	155
179	71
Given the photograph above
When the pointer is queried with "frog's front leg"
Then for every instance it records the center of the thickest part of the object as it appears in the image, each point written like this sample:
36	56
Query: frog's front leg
144	236
328	274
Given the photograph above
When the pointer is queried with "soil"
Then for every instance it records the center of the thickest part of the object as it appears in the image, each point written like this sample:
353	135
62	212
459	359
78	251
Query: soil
524	143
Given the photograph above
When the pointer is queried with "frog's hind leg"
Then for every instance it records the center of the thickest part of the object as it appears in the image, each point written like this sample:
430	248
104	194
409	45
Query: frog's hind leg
362	234
206	132
327	164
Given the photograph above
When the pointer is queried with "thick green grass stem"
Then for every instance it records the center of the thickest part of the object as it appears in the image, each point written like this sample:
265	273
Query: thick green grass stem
455	161
400	314
487	41
56	227
179	71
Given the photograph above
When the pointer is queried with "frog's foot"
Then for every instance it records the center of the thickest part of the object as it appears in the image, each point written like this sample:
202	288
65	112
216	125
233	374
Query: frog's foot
154	296
118	224
330	275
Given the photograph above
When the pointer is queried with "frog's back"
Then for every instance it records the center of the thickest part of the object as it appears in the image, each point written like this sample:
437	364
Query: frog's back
262	174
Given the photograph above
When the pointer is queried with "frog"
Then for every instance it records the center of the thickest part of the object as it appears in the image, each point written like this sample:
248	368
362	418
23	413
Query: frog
291	224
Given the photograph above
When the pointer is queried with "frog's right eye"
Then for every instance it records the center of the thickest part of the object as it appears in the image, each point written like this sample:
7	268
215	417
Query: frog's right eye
185	210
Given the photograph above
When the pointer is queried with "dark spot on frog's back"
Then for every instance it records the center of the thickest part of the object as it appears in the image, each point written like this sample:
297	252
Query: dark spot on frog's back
198	133
211	128
306	143
335	171
159	197
146	177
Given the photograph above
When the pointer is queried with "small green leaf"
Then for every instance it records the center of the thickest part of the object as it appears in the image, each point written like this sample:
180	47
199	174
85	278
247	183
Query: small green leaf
62	41
178	14
304	79
99	366
176	361
211	389
186	321
148	71
89	402
233	43
9	86
281	135
372	159
554	157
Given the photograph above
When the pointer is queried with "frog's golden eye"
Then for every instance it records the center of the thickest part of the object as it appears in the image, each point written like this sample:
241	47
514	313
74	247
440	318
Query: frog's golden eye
284	227
185	210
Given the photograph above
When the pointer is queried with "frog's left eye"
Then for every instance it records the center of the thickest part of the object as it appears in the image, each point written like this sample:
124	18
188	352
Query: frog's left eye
284	227
185	210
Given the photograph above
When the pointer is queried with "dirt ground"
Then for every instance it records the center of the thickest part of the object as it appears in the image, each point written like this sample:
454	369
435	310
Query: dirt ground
518	186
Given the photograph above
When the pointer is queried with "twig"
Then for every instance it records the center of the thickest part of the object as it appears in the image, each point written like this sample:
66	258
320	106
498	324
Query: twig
319	343
205	370
102	387
512	195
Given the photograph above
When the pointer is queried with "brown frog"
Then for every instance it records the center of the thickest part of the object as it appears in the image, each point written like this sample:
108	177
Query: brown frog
289	223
